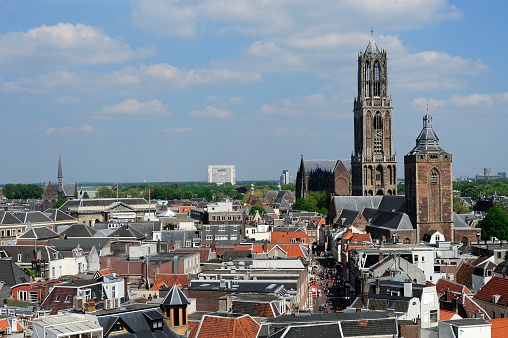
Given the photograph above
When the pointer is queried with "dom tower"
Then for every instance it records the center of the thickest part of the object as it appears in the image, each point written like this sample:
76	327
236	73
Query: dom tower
373	162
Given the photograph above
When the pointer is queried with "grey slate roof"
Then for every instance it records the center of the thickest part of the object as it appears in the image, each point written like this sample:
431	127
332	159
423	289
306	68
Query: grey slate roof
174	297
392	220
48	253
458	222
78	230
41	232
85	243
10	274
356	202
31	216
58	215
315	165
427	141
138	322
7	217
125	231
347	217
309	330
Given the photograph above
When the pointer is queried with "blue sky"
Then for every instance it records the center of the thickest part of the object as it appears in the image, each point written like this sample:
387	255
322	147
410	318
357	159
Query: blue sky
156	90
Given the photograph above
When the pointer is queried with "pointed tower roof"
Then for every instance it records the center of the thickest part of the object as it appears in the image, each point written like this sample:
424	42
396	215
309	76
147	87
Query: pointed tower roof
175	297
60	175
427	141
372	47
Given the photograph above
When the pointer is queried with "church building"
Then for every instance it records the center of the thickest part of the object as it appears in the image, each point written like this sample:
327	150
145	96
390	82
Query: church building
373	162
54	192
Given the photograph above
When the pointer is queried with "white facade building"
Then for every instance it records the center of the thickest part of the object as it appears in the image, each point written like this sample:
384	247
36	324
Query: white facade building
221	174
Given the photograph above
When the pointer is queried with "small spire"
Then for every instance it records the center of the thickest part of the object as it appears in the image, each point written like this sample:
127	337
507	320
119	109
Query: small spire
371	34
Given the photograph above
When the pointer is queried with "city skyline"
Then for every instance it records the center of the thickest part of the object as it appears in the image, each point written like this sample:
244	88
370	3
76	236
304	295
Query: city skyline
157	90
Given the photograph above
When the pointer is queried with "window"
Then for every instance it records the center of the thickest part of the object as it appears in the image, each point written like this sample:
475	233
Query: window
433	316
498	255
235	228
57	299
221	238
209	237
157	324
22	295
233	237
188	244
416	258
433	177
222	228
20	258
302	240
207	228
423	258
293	240
67	298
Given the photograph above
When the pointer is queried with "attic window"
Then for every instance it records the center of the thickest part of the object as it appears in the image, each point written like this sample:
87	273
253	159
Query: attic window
57	299
157	325
117	328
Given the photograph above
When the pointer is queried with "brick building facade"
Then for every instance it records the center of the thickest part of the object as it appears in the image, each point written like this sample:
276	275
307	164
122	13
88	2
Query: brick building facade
428	181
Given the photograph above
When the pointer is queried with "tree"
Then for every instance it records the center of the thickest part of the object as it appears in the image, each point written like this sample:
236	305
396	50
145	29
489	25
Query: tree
302	204
495	224
106	192
460	208
86	196
59	203
258	208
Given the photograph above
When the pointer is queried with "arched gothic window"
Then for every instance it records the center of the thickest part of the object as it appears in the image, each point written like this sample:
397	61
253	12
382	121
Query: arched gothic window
367	79
377	86
378	133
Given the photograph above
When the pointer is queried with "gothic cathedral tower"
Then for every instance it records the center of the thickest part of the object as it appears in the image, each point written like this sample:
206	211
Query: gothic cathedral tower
428	183
373	162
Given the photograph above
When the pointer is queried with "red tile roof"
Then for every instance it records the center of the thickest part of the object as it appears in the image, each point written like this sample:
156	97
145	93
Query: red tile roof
105	272
286	236
171	279
446	314
499	327
444	285
495	286
215	326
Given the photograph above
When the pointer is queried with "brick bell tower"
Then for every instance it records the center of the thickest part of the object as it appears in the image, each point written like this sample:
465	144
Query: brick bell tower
428	182
373	161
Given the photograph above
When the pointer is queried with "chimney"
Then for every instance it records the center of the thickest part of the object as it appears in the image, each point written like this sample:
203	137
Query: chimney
408	288
365	299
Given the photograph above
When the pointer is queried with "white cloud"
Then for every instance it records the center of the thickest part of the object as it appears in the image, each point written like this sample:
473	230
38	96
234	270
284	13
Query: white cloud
67	100
314	104
85	128
180	77
61	45
165	18
213	112
135	107
471	102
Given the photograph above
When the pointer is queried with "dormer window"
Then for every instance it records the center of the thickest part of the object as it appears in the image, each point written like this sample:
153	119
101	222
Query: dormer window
157	324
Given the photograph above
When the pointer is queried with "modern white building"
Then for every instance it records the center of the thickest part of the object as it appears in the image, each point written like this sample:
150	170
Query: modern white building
221	174
285	178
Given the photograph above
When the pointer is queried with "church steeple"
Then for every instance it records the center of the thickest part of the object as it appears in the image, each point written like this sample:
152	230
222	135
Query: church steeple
60	175
373	162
